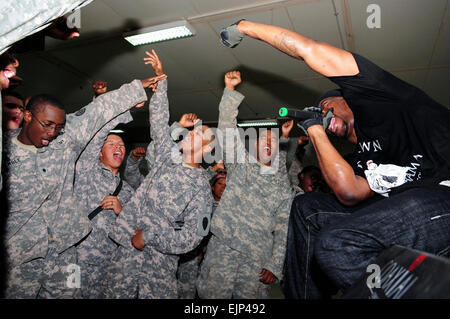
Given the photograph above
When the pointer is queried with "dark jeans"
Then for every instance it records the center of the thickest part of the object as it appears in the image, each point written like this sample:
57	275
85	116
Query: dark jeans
330	245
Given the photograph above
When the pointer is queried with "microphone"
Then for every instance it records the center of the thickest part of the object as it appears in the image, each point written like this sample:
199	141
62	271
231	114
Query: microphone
294	113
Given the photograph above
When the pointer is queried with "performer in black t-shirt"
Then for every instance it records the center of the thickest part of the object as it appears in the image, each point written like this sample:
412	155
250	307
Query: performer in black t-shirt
394	188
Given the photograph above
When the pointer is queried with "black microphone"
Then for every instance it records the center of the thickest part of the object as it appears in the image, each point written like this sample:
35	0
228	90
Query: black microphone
294	113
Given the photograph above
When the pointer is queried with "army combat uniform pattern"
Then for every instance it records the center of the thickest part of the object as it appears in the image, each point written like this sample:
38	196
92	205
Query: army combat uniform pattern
44	220
172	206
250	224
132	173
189	266
93	182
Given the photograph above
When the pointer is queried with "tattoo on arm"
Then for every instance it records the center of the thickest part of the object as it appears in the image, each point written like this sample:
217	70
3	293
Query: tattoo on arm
287	44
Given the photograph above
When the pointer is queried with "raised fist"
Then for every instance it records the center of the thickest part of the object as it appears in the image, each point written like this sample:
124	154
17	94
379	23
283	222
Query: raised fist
232	79
100	87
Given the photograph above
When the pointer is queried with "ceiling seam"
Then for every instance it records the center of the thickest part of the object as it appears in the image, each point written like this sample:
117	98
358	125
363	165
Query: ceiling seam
336	14
290	19
433	51
348	26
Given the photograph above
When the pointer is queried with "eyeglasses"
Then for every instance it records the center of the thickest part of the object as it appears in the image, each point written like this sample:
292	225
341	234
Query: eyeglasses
59	129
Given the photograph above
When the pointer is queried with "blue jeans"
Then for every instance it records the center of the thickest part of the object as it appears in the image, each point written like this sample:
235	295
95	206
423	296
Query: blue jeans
330	244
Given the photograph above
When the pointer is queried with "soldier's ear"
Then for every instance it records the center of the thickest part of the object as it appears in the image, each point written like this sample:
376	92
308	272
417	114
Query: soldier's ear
27	116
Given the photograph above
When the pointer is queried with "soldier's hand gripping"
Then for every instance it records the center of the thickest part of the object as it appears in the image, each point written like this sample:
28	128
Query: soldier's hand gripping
267	277
112	203
137	240
152	82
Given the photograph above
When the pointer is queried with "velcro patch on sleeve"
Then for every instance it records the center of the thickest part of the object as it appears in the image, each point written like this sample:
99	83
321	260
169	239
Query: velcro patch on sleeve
204	221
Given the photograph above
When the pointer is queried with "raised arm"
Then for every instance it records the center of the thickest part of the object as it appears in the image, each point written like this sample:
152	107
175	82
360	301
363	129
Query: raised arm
84	124
228	111
159	110
322	57
131	173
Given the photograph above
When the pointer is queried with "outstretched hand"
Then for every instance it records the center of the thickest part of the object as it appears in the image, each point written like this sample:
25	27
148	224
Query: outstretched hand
154	60
232	79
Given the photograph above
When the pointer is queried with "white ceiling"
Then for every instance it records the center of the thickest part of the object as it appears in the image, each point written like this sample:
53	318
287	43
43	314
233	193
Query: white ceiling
413	43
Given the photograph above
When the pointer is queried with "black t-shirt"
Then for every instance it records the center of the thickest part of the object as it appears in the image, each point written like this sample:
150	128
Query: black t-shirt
396	123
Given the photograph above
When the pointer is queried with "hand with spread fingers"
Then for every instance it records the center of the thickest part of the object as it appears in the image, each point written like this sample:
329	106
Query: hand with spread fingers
154	60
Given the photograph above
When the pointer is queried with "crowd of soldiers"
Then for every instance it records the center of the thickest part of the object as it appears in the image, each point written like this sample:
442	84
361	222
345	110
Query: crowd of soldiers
228	230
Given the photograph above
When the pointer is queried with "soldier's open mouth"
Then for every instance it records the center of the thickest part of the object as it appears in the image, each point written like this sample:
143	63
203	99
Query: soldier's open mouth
117	156
9	73
268	150
45	142
15	119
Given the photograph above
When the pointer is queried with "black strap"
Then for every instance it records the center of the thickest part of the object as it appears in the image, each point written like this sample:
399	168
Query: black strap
100	208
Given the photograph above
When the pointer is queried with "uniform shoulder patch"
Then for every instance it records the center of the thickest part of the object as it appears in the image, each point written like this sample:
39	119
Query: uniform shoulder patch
204	221
80	111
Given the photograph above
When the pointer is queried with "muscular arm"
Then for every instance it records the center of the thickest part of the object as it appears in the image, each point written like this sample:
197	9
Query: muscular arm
322	57
349	188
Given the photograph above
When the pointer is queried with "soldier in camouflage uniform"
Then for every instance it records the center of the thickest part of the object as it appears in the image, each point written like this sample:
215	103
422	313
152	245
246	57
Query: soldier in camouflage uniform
96	177
132	173
246	251
169	213
189	264
44	221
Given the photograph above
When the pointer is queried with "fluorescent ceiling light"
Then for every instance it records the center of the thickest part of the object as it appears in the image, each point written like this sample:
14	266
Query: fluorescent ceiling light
161	32
258	123
116	131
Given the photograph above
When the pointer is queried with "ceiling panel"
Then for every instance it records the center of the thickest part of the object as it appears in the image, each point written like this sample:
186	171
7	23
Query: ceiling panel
437	85
441	54
407	35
